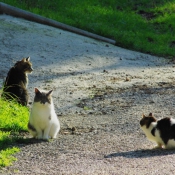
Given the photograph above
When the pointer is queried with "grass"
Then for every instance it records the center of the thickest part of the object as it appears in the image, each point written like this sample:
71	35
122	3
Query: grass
142	25
13	119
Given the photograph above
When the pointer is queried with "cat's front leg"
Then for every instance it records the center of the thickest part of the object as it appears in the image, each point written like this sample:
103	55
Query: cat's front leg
54	130
46	133
39	134
158	146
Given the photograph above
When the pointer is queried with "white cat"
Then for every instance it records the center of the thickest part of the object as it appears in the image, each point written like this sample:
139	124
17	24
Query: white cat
43	122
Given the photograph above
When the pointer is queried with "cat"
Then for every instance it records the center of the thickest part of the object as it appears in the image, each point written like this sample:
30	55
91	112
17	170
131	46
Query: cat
43	121
15	85
160	131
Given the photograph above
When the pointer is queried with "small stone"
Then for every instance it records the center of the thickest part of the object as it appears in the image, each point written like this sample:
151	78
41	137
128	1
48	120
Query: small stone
127	79
73	128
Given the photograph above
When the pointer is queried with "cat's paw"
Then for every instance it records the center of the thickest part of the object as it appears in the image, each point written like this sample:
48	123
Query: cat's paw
53	137
39	137
46	138
158	147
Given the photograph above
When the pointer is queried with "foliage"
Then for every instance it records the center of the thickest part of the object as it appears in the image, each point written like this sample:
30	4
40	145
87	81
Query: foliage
143	25
13	116
6	157
13	119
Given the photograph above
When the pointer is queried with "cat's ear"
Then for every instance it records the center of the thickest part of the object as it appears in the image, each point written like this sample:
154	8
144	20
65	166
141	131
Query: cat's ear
28	59
150	114
50	92
23	60
37	90
16	63
143	115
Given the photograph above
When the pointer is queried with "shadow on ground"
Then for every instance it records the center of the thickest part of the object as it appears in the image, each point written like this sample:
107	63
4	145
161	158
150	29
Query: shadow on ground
143	153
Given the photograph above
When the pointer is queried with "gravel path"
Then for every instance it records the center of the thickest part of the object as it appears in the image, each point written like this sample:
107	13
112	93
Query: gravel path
100	93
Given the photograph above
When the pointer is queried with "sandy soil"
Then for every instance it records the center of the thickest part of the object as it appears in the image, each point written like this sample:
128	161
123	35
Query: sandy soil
100	93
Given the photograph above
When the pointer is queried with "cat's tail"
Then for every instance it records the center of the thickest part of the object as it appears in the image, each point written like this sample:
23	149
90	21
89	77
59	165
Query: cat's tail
32	130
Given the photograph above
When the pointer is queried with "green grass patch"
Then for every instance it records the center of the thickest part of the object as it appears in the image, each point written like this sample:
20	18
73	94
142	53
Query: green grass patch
142	25
13	119
6	156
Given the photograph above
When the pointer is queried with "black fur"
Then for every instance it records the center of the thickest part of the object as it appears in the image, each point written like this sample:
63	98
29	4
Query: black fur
167	130
153	131
31	127
147	120
16	82
42	97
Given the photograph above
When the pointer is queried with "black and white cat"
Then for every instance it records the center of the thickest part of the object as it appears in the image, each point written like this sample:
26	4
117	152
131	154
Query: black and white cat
160	131
15	85
43	121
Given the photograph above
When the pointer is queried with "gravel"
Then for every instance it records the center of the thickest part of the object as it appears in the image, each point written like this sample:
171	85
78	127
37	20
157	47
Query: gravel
100	94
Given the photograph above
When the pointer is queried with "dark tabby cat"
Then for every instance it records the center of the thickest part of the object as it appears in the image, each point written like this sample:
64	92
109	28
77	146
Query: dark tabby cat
160	131
15	85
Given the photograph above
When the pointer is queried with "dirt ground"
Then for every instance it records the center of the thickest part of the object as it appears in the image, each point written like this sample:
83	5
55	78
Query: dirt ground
100	94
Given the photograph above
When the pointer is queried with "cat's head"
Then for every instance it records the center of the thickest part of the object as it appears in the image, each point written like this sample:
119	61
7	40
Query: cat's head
24	65
43	97
147	120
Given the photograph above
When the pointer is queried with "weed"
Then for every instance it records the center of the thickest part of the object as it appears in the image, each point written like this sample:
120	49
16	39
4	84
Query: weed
13	119
86	108
6	157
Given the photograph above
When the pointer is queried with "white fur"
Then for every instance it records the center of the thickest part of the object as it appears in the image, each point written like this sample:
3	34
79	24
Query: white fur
170	144
149	135
157	138
172	121
39	118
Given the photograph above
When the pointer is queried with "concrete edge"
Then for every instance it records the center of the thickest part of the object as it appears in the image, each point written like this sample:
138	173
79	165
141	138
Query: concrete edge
14	11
